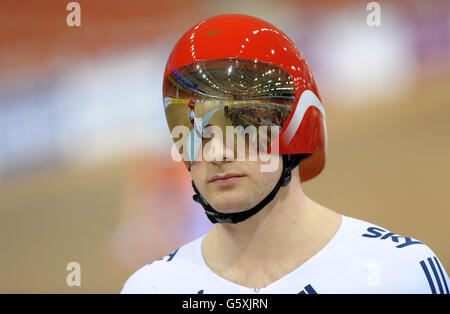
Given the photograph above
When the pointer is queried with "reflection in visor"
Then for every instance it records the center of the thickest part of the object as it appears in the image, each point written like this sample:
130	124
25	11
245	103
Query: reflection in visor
243	94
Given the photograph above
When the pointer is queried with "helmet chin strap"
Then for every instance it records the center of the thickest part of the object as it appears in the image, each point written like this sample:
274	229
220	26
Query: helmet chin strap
289	163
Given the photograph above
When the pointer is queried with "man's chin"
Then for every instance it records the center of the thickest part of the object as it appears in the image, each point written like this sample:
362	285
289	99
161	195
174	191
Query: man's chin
228	207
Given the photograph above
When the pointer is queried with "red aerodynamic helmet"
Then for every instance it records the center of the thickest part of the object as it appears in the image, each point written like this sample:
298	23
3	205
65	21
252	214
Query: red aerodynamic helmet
241	70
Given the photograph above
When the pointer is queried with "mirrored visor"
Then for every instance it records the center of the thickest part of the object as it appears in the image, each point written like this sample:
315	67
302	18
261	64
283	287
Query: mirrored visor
251	97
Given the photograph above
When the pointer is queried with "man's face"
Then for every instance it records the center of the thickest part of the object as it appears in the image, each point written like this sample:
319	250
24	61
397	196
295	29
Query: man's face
233	185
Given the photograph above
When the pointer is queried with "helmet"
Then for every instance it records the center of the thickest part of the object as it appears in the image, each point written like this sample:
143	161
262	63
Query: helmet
240	70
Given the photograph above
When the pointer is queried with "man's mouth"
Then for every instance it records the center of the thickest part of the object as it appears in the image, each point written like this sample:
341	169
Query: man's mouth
226	179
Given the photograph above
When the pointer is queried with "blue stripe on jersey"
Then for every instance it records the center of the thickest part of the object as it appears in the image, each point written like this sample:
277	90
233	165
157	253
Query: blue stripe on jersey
310	289
436	275
442	274
171	255
430	281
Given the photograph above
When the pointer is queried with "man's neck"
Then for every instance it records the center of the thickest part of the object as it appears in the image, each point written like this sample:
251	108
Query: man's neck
267	246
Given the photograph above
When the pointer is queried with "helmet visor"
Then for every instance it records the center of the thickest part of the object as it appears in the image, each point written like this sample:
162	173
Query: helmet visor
248	100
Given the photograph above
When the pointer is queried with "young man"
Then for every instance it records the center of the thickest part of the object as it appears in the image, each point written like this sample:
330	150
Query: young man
269	237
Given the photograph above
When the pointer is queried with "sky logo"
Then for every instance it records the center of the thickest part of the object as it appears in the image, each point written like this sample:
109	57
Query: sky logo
375	232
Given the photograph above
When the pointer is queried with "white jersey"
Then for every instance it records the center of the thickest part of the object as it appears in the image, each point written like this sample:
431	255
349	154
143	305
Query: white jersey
360	258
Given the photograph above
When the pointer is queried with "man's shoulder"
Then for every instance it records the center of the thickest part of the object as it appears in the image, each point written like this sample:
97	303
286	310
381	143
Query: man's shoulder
381	240
176	265
397	259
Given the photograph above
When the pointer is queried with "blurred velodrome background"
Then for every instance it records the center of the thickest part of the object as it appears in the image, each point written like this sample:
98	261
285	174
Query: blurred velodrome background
85	169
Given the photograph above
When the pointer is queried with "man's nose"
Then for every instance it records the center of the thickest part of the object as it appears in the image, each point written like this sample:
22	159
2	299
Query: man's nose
215	150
